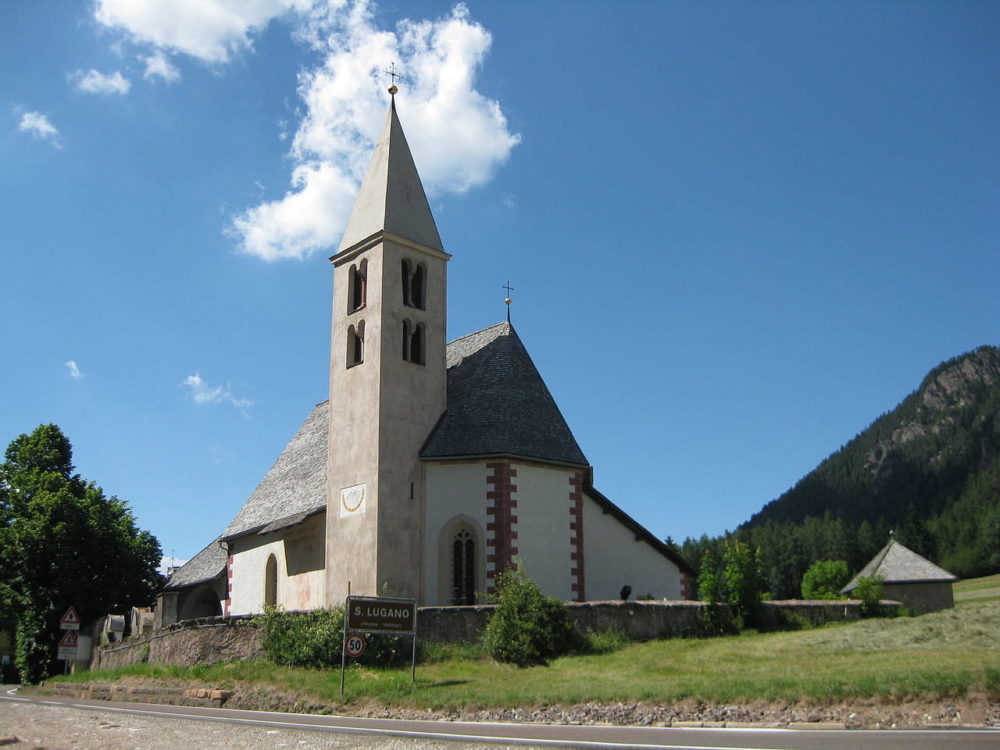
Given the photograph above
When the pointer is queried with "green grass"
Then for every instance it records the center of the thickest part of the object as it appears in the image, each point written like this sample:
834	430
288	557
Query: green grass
939	655
977	590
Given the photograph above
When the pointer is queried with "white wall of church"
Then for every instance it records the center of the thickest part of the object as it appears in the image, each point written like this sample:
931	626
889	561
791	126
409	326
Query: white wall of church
300	583
613	558
456	492
543	533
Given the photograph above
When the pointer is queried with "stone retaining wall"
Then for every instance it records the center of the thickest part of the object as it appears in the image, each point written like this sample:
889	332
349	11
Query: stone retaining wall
213	639
201	641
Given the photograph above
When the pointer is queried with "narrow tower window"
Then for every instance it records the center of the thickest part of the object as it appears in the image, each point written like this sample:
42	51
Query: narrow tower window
463	568
417	287
407	280
414	280
413	342
356	344
357	287
417	345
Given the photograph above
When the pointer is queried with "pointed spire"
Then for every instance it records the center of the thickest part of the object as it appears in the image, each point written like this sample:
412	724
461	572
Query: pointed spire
391	198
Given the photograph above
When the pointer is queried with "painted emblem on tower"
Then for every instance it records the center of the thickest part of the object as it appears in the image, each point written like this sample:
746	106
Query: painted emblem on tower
352	501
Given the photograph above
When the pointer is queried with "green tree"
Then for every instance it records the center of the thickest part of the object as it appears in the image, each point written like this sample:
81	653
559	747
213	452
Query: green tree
825	579
63	542
527	627
710	583
744	582
869	591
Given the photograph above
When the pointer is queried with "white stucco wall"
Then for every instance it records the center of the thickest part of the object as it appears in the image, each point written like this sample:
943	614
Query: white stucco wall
543	533
304	589
614	558
453	490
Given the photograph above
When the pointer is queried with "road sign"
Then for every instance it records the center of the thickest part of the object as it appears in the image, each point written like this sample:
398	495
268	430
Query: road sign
382	615
355	645
68	646
70	620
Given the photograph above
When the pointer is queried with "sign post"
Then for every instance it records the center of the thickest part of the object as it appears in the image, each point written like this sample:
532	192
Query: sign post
68	646
377	614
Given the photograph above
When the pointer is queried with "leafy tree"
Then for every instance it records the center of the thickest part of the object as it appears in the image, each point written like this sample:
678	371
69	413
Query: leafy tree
63	542
869	591
527	627
710	582
744	582
825	579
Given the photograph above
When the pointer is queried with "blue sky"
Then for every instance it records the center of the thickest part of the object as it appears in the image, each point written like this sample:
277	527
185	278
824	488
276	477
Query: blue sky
738	232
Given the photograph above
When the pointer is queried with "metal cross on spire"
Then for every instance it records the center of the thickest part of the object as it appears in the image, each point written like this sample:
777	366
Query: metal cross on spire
393	75
507	301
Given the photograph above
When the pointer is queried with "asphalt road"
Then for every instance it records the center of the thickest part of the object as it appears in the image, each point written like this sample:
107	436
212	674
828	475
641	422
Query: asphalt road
397	733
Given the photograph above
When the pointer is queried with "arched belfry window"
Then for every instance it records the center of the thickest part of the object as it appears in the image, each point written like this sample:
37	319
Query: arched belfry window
414	280
356	344
463	568
413	342
271	582
357	288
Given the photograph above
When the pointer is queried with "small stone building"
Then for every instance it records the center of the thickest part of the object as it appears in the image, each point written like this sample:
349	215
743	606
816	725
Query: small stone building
908	578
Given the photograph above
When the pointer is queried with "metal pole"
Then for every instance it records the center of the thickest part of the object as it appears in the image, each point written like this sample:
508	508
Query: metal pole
343	640
413	660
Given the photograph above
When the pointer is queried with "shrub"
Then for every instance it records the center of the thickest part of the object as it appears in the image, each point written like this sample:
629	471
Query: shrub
303	639
527	627
869	591
715	620
825	579
313	639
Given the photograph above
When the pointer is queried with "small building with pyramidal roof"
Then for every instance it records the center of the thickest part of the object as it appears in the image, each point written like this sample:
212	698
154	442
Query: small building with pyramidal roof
907	577
433	467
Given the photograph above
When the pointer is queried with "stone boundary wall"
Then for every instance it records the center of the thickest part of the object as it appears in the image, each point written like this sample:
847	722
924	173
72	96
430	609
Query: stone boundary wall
212	639
204	640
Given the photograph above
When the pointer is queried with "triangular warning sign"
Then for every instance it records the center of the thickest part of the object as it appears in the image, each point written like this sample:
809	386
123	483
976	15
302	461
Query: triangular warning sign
69	640
70	620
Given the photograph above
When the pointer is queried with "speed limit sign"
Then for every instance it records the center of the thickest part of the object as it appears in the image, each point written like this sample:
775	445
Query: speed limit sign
354	645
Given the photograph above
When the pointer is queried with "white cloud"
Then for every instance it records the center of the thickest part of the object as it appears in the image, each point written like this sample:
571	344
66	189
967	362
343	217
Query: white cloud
211	30
158	66
38	125
203	393
95	82
74	371
457	135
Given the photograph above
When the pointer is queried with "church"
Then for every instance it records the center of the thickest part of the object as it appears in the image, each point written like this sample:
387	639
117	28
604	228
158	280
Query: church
433	467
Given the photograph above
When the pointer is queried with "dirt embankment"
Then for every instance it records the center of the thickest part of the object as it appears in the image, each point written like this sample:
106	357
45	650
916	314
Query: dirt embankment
974	710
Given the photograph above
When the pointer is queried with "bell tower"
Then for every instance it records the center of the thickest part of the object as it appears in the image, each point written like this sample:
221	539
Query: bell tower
387	376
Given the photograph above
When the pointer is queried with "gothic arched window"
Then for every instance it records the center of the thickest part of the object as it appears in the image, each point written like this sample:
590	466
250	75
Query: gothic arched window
463	568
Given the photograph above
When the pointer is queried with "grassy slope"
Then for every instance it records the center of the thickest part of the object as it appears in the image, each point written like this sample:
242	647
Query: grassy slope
948	653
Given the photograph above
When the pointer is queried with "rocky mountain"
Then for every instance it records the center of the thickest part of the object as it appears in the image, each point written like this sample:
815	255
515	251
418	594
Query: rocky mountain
929	470
917	455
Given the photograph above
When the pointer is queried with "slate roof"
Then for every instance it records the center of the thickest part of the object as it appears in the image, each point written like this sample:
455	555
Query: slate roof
295	486
498	404
898	564
205	566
